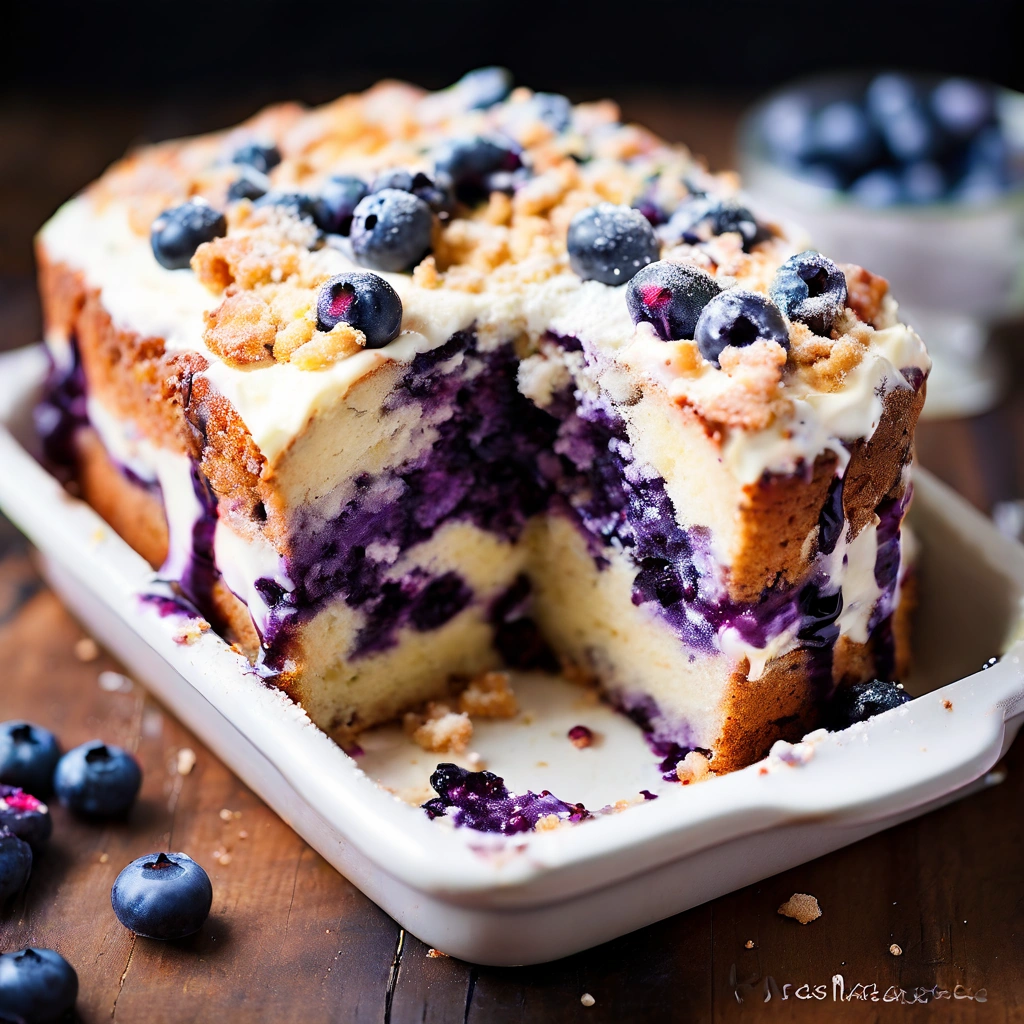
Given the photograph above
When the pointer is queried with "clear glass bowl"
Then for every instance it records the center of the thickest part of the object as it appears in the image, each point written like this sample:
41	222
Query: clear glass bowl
954	266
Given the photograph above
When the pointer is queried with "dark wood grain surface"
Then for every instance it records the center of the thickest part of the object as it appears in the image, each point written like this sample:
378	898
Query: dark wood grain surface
291	940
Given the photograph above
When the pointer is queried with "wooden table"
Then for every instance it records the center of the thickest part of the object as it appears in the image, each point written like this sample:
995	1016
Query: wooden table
291	940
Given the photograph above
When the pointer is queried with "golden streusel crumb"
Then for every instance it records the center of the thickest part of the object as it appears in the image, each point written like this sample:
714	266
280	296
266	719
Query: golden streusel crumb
752	400
425	273
292	337
489	696
326	348
801	907
864	291
548	823
439	730
695	767
241	330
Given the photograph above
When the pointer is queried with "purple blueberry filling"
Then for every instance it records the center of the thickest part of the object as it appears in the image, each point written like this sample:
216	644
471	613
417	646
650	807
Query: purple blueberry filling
61	412
482	801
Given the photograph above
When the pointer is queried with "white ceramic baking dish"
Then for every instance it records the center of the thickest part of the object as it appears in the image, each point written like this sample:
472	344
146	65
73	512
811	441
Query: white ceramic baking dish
536	897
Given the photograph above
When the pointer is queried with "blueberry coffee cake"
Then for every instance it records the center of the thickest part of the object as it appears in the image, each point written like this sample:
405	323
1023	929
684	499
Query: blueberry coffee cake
413	386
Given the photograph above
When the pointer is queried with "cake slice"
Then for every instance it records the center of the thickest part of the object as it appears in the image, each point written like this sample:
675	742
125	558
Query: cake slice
415	385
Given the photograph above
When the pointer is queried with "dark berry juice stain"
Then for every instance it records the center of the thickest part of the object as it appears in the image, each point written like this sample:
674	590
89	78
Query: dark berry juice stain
482	801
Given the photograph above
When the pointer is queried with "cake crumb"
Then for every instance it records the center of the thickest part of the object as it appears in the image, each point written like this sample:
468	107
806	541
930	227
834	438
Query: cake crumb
489	696
222	857
226	815
104	858
242	834
186	760
440	730
548	823
695	767
87	649
801	907
581	737
435	953
895	950
948	705
191	631
749	944
587	999
114	682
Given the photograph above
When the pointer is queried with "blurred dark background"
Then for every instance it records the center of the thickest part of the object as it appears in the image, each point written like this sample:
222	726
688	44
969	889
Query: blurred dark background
81	83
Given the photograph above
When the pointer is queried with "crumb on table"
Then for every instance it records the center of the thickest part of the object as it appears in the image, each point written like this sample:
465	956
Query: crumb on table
801	907
489	696
439	729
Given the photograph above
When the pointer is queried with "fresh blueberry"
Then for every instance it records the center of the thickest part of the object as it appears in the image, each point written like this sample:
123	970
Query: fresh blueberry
178	232
262	156
250	184
843	135
923	182
737	317
28	756
671	296
365	301
700	218
27	817
610	243
37	986
483	87
391	230
963	107
910	134
785	126
300	205
811	289
881	187
419	184
162	896
339	197
468	163
97	780
888	94
862	701
15	865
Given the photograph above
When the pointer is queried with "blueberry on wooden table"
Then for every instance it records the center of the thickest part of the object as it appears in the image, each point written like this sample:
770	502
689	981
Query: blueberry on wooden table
37	986
364	301
28	756
610	243
15	864
179	231
811	289
162	896
670	297
27	817
737	317
97	780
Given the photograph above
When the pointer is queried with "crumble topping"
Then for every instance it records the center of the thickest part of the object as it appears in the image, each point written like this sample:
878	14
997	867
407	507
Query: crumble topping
801	907
439	729
489	696
695	767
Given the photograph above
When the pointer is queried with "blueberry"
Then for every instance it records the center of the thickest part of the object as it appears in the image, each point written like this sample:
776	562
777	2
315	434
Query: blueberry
27	817
671	296
700	218
37	986
550	108
888	94
963	107
738	318
97	780
396	177
28	756
862	701
162	896
178	232
881	187
250	184
843	135
483	87
610	243
419	184
811	289
391	230
15	865
910	134
262	156
300	205
785	127
923	182
339	198
468	163
365	301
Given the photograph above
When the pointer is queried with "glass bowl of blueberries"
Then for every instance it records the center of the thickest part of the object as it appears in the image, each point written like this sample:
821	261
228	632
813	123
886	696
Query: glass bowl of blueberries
919	178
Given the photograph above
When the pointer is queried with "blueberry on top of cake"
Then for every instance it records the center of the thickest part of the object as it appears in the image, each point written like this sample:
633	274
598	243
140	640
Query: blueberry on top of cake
412	385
